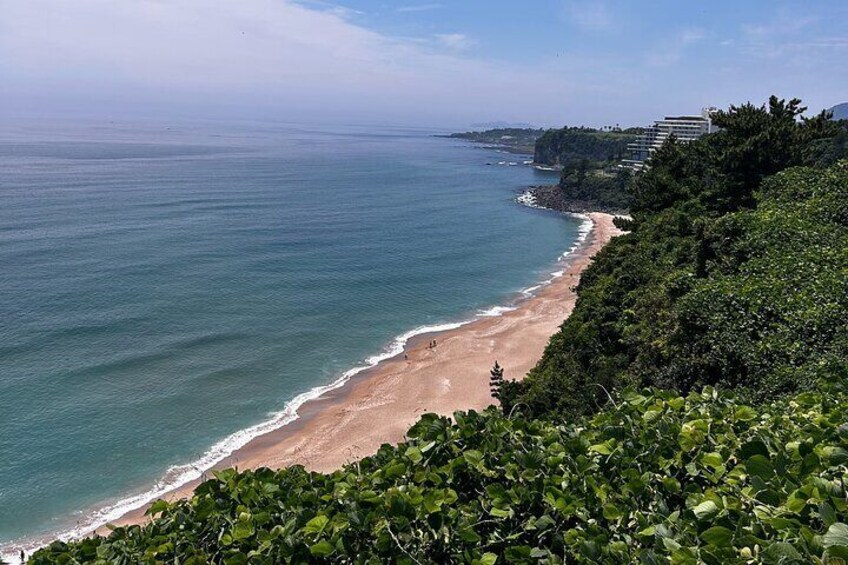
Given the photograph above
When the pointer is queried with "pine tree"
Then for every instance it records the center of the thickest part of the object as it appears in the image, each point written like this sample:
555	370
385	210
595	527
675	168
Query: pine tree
496	381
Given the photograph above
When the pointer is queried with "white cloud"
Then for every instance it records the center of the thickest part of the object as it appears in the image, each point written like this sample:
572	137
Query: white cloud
454	41
790	38
275	54
283	59
783	24
418	8
589	15
672	50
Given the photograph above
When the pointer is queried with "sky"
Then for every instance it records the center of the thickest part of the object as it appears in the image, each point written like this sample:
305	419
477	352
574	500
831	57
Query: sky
417	62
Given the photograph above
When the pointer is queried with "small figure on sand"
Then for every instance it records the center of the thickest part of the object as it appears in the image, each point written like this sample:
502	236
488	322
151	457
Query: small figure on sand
432	344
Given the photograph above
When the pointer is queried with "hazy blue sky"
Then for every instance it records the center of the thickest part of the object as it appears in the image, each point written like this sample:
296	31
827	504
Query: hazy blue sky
549	62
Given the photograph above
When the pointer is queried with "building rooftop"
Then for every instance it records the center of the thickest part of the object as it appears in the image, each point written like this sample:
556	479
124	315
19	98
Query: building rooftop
689	118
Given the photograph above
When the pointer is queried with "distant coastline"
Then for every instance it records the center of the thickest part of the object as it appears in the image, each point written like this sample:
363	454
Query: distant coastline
517	141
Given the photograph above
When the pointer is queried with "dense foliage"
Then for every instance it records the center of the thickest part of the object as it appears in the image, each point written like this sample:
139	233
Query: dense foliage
596	189
724	279
570	145
658	478
828	150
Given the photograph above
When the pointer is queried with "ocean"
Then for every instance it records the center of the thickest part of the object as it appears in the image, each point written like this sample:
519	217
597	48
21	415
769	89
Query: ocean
167	291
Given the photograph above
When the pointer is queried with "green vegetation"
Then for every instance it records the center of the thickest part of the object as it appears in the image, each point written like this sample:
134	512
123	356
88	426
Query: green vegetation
659	478
625	444
722	280
571	145
558	147
596	189
829	150
591	178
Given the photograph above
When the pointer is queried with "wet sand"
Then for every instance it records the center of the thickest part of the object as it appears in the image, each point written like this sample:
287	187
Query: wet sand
379	405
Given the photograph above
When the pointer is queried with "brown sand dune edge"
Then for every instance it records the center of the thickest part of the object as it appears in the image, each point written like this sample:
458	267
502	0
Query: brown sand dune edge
379	405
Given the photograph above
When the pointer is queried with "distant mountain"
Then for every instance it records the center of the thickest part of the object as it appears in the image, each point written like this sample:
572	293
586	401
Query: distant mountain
502	125
840	111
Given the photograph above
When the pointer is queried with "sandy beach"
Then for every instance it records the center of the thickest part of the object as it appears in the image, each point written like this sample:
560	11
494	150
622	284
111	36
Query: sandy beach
380	404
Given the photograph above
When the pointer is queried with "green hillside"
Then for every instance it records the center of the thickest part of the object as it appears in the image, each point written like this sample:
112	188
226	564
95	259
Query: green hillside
733	273
571	145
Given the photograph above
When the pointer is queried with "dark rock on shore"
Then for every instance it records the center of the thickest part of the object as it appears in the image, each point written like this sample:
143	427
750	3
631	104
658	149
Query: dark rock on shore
553	197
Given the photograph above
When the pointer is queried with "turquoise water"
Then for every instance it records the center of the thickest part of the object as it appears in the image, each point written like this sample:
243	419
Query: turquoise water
164	287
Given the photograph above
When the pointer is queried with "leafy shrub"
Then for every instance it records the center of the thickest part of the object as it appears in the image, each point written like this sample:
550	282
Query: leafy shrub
658	478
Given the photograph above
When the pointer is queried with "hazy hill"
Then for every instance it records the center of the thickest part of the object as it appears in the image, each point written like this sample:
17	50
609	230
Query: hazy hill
840	111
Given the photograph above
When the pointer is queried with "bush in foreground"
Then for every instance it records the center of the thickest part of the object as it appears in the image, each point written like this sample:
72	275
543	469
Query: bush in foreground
658	478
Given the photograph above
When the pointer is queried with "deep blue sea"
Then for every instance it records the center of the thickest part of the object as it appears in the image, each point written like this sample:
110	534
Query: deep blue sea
165	286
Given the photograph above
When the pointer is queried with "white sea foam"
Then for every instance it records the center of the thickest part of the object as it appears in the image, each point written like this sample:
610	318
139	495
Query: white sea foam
530	290
527	198
180	475
496	311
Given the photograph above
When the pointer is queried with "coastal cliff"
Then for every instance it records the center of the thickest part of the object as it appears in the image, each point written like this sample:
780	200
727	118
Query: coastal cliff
570	145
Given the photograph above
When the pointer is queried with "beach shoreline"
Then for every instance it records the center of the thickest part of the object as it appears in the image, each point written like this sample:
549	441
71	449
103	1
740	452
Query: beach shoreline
377	403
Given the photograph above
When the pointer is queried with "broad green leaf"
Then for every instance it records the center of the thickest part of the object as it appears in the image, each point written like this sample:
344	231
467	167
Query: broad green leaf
488	559
601	448
705	510
473	457
157	507
760	466
649	531
836	535
754	447
712	459
745	413
782	552
718	536
414	454
237	558
242	530
827	514
611	512
322	549
316	525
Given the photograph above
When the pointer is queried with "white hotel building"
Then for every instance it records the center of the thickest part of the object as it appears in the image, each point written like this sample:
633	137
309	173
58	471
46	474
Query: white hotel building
683	128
